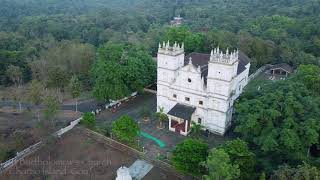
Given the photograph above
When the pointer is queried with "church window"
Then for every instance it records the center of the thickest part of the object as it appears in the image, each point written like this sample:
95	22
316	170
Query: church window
199	120
174	95
187	99
201	102
189	80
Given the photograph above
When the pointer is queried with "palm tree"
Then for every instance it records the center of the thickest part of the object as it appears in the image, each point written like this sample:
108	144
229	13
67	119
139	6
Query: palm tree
161	116
196	129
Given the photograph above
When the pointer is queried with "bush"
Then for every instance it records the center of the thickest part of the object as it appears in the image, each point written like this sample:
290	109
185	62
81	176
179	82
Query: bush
6	154
89	120
240	155
125	129
220	166
188	156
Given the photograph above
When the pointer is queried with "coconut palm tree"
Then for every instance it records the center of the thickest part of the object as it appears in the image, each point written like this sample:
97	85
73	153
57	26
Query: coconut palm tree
161	116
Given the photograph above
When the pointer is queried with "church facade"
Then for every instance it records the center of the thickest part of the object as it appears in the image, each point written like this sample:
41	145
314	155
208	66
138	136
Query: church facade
199	87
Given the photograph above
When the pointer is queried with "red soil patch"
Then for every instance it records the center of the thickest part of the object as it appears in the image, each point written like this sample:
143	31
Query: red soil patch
77	156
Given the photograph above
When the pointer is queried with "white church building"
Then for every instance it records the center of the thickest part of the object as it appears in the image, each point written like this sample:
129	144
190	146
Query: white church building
199	87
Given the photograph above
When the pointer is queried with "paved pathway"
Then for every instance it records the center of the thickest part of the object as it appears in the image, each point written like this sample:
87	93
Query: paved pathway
133	108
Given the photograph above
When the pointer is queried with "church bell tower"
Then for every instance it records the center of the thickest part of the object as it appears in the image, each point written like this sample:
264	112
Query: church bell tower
170	58
222	69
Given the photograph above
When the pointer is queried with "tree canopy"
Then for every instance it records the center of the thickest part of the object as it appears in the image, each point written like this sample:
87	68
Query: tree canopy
268	31
188	156
304	171
120	70
281	118
220	166
125	129
240	155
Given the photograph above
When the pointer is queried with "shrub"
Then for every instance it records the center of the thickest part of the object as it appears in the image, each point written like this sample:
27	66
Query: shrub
89	120
6	153
188	156
125	129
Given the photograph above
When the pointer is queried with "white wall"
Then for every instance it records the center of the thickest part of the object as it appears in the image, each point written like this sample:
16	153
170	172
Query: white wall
170	62
182	79
216	110
221	71
216	121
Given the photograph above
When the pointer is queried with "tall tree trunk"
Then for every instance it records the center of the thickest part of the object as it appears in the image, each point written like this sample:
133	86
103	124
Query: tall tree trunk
59	94
20	108
38	115
52	123
76	104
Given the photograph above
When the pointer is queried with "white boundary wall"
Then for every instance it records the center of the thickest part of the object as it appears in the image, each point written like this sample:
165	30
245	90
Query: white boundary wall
19	156
258	71
68	128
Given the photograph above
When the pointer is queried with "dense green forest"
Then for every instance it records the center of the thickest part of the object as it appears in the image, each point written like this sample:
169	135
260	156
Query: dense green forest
268	31
108	45
281	119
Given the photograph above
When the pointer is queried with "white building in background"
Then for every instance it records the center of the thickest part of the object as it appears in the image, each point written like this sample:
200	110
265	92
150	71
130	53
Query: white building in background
123	173
199	87
177	21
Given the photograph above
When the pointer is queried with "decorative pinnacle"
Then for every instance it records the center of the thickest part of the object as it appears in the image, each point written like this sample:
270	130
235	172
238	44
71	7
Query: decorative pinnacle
224	57
174	49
